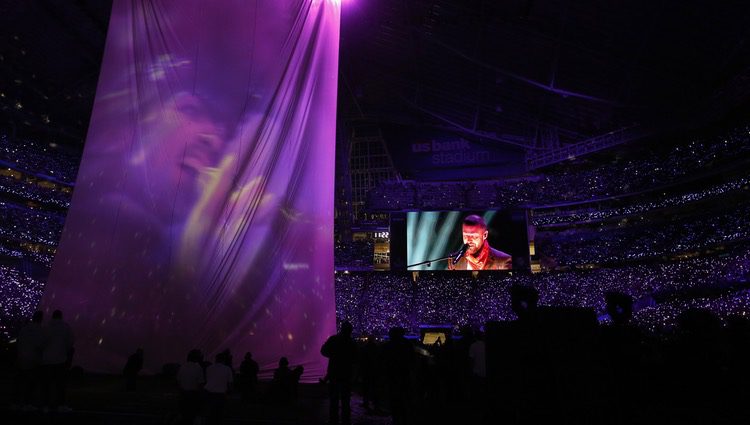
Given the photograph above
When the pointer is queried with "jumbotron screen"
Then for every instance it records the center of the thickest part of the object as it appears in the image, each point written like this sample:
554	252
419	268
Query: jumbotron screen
454	240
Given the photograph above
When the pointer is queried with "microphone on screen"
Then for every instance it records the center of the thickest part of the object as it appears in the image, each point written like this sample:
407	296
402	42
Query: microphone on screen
460	253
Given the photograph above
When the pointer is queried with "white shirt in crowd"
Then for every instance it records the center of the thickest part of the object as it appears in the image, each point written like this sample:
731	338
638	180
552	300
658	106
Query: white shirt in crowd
190	376
218	378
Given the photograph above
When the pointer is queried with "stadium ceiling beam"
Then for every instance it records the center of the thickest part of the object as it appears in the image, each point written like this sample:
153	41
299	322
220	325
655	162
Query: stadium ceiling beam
476	133
550	88
594	144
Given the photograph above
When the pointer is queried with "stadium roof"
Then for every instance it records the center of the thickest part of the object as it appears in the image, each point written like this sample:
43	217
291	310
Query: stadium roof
540	75
545	74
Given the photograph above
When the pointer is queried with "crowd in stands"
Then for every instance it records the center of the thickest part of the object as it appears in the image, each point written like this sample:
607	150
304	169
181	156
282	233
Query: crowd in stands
375	302
663	317
643	239
355	255
441	196
589	214
28	235
30	190
38	158
394	196
35	190
20	295
14	252
30	225
358	300
565	184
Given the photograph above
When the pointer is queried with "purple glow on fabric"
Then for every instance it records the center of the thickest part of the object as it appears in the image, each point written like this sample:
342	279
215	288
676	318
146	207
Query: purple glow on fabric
203	211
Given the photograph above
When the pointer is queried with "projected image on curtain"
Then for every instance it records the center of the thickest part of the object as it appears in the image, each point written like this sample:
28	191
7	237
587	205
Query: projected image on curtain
485	240
202	216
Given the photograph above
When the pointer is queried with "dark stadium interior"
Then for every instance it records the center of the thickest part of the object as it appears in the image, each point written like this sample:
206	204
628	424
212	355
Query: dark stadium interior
619	132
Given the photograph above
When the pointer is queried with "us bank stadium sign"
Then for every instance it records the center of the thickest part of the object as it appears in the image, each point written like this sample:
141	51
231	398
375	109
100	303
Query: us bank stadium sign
452	152
437	154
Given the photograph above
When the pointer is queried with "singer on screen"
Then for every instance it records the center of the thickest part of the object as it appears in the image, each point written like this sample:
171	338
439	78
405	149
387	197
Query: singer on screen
479	255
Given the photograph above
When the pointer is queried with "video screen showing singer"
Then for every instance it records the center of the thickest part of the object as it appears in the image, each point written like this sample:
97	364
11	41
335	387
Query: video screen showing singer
479	254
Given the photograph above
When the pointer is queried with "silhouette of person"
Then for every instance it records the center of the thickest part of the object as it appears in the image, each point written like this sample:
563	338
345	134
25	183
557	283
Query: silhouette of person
463	362
444	362
191	379
228	359
57	357
368	367
248	376
477	355
132	367
341	353
398	361
523	302
29	360
738	369
621	344
698	349
285	382
219	378
526	379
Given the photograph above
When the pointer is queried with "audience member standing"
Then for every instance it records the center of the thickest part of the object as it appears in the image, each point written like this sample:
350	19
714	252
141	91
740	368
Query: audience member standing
132	367
477	356
30	346
478	381
398	363
228	359
369	367
248	376
621	344
219	378
57	356
341	352
285	382
463	363
190	377
526	379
